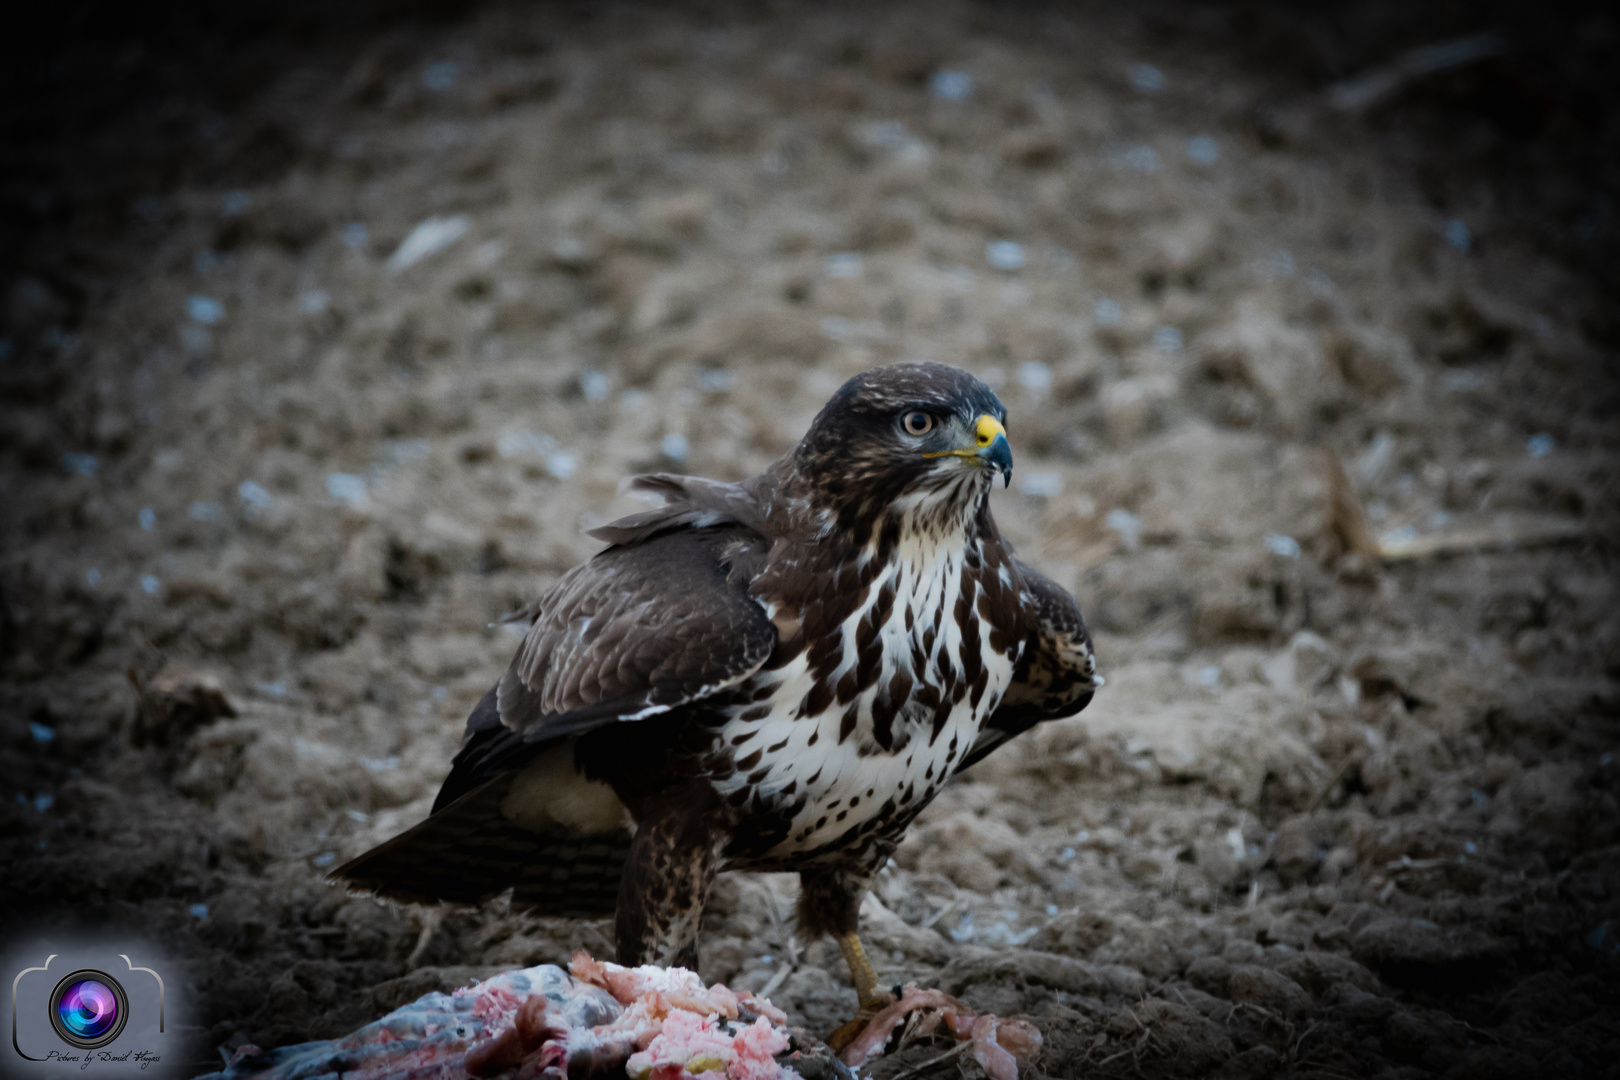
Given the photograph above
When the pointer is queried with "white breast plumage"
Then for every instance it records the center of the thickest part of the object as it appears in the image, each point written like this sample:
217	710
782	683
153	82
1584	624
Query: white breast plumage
839	777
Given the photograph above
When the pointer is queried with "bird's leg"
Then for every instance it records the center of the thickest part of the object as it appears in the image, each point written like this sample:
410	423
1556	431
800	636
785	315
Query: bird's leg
860	969
667	877
829	903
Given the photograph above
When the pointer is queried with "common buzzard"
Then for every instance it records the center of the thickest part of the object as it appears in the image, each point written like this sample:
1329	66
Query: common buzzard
777	674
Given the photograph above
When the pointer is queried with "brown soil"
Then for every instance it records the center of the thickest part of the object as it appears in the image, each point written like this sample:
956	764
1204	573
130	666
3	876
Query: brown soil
1333	814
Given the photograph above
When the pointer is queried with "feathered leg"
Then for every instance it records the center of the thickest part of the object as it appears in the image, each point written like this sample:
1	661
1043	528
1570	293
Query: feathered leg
830	903
666	884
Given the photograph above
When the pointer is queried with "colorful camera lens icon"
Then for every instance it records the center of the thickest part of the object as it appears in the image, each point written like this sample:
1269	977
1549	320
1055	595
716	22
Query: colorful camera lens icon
89	1008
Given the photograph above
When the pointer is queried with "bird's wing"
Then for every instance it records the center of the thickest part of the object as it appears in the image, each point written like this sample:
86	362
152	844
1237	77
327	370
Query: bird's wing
640	629
1056	675
690	502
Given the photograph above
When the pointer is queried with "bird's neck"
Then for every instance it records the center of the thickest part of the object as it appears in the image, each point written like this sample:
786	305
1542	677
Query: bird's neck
924	532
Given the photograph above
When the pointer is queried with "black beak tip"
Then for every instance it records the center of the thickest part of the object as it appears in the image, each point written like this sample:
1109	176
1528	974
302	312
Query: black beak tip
999	455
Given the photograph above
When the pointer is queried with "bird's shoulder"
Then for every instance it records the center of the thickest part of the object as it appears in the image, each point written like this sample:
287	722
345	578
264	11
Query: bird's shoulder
640	628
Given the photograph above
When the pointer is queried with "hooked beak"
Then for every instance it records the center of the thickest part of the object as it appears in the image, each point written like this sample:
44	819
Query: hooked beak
989	445
993	446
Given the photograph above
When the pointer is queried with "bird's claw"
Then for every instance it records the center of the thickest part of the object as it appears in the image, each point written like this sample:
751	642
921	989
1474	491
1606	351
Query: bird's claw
868	1009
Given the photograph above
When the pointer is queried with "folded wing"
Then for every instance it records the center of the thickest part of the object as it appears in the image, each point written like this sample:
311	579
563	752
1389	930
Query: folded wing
1056	675
645	627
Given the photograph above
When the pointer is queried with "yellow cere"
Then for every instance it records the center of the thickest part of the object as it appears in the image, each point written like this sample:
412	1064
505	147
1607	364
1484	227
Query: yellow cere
985	430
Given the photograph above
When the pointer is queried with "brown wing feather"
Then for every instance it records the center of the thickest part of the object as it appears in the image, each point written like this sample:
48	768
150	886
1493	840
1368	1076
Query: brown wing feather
637	631
690	502
467	852
1056	675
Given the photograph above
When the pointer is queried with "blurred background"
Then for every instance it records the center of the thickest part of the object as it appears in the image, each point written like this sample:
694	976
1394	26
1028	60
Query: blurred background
329	329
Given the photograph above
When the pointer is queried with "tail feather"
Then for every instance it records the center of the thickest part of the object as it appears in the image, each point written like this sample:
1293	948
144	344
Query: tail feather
468	852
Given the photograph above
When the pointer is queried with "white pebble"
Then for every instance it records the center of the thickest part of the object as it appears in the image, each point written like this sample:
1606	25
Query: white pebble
715	380
1143	159
562	465
1045	484
595	385
836	328
845	264
428	238
951	85
1035	377
1005	254
346	487
255	495
1146	78
441	76
525	443
1128	525
1286	546
205	310
1203	149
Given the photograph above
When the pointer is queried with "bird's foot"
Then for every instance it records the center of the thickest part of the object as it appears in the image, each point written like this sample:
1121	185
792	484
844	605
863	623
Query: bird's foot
872	999
871	1004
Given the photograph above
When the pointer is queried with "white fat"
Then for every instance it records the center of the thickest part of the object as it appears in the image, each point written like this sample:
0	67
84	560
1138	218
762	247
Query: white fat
550	794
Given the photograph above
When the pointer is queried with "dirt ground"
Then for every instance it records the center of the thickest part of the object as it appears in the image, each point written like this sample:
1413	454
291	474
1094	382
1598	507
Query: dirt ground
325	342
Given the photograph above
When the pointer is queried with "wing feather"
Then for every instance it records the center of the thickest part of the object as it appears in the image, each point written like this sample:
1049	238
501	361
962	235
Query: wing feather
1056	675
638	630
635	632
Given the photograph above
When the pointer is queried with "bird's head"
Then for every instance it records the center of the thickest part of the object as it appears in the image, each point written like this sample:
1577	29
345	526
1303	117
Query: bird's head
921	441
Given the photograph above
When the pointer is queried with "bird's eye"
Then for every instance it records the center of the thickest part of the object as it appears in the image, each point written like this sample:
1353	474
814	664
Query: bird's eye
917	423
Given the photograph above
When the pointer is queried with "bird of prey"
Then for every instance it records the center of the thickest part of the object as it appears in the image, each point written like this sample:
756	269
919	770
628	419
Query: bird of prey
772	675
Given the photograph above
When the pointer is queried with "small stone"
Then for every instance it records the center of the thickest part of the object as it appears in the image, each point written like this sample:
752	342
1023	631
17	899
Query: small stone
175	703
205	310
1239	951
951	85
428	238
1296	851
1254	985
1210	974
1417	952
1146	79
